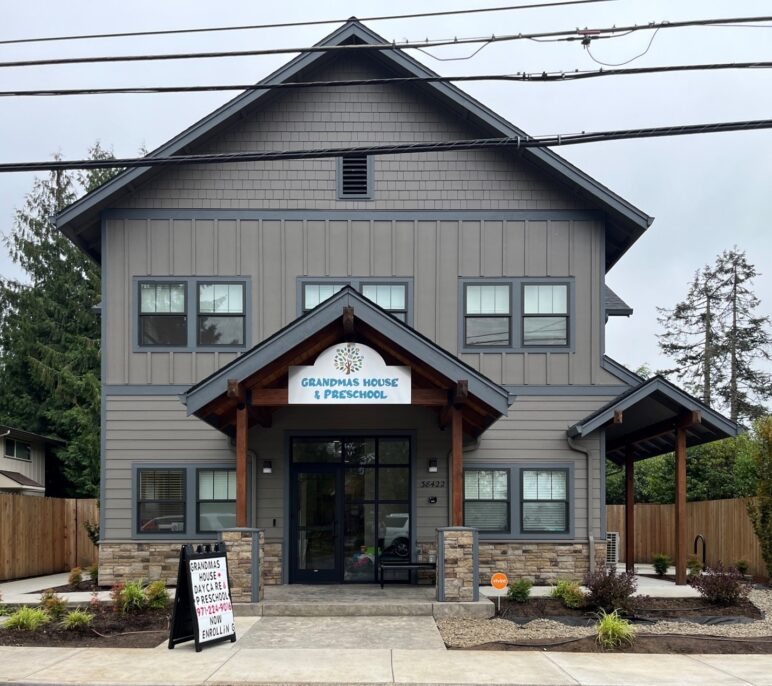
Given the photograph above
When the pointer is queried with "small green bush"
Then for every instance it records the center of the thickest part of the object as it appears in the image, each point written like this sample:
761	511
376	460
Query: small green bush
609	589
76	576
694	566
742	566
77	620
661	563
613	631
132	598
93	573
721	586
520	590
27	619
157	596
569	593
53	603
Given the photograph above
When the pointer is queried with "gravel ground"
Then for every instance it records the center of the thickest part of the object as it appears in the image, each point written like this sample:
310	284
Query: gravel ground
465	633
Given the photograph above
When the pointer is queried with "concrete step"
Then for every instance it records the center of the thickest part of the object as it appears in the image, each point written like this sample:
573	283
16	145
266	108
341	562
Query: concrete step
483	609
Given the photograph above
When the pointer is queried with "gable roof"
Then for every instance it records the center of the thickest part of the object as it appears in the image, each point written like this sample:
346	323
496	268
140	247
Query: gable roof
626	223
615	306
304	327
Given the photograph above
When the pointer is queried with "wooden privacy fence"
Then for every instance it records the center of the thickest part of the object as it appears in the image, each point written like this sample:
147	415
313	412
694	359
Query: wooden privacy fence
725	524
44	535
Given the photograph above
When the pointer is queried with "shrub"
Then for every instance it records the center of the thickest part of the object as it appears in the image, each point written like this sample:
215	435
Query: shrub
92	530
721	586
132	598
694	566
76	576
569	593
53	603
116	593
93	602
27	619
661	564
760	510
157	596
520	590
93	573
742	566
613	631
609	589
77	620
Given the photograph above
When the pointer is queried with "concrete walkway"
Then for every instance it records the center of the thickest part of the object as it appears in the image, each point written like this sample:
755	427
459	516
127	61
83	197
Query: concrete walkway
227	663
27	591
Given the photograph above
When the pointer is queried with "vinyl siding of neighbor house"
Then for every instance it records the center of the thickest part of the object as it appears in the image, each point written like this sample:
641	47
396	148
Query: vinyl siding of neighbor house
34	469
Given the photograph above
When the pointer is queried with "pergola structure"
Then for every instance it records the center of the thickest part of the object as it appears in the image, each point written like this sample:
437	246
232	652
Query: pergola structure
653	418
249	390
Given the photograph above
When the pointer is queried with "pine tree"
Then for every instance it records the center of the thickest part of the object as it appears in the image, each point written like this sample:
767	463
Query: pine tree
692	335
745	340
49	332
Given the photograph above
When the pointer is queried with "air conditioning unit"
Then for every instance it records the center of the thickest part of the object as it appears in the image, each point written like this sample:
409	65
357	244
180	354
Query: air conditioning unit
612	547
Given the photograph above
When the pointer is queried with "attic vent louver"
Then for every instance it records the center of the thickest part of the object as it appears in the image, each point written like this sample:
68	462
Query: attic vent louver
354	176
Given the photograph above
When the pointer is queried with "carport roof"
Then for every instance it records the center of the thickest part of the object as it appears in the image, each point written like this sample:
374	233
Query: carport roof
644	418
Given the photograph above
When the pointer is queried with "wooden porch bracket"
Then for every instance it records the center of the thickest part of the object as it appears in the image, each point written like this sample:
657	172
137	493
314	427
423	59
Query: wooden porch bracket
348	322
618	417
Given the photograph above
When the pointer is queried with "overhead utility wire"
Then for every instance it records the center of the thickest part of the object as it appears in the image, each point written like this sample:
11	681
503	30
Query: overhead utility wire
313	22
542	76
584	35
510	142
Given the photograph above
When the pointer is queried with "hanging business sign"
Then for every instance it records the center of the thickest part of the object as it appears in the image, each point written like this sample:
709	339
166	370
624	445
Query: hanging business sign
349	373
203	611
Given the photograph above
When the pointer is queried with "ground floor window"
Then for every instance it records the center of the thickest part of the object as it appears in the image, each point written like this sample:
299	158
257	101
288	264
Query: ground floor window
486	499
216	506
161	501
544	501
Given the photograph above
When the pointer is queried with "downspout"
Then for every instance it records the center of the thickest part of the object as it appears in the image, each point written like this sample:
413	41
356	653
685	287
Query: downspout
590	538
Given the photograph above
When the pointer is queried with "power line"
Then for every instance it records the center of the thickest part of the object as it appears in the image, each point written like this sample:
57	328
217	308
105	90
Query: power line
315	22
510	142
584	35
537	76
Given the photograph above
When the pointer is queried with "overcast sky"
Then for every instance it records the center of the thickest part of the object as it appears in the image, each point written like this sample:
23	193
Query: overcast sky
707	193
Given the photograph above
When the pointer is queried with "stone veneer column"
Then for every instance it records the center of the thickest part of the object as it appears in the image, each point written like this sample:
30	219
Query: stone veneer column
245	563
457	565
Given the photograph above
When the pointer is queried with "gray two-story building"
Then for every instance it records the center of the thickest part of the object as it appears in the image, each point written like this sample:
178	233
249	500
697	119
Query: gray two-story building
350	353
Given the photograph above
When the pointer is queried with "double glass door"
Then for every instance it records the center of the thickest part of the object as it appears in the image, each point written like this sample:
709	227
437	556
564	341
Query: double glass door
350	507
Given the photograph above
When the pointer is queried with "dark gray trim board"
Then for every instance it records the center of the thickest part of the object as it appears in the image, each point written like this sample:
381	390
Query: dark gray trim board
102	392
620	371
629	222
573	391
144	389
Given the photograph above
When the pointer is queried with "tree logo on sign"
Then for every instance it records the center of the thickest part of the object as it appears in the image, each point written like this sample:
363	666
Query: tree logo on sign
348	360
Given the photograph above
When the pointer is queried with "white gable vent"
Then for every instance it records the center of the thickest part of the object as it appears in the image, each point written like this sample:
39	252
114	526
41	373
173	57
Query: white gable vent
354	176
612	547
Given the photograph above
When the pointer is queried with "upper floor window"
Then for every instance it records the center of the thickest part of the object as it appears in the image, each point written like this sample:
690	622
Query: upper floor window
17	449
162	314
221	313
393	297
355	177
544	501
487	315
545	314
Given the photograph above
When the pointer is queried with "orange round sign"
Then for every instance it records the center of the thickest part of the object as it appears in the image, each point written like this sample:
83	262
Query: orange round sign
499	581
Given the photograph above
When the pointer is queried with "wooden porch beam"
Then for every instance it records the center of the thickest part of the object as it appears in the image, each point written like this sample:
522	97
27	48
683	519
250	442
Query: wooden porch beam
655	431
680	507
348	322
629	510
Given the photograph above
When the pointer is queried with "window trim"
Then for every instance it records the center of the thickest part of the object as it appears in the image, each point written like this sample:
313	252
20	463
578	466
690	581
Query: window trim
138	502
465	316
567	316
340	195
199	530
567	501
356	282
481	468
140	313
14	456
516	306
191	297
199	314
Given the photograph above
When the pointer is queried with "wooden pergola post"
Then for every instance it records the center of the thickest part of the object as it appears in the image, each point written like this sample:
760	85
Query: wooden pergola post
629	510
457	466
680	506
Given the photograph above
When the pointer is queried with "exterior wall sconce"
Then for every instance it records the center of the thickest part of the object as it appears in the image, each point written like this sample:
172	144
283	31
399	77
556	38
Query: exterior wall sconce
433	465
267	467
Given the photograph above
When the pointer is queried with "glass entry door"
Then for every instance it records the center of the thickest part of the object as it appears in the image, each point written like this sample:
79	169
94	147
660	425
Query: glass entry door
316	542
350	507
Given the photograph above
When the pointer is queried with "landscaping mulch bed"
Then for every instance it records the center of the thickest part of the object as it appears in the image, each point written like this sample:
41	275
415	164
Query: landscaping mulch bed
644	644
86	586
642	606
117	631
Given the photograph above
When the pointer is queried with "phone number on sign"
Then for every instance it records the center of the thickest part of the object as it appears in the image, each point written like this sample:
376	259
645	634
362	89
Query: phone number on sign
213	609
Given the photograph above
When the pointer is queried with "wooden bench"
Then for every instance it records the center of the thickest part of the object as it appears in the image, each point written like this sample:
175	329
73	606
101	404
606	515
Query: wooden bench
398	564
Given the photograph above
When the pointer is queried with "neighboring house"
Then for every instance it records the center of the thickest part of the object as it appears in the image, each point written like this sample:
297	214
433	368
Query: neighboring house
453	305
23	461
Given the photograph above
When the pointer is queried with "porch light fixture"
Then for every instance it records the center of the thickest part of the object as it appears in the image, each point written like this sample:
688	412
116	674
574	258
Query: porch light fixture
267	467
433	465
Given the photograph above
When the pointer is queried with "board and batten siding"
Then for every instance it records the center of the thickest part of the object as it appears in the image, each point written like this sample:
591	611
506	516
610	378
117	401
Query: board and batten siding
435	254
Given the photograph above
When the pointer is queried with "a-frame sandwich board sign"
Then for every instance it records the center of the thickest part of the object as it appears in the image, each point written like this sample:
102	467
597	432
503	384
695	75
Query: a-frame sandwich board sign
203	611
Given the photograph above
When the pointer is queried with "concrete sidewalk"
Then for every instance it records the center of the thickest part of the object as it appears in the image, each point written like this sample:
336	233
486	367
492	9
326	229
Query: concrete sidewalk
227	663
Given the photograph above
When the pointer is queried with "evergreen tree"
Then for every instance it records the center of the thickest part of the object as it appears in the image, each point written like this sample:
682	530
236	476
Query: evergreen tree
745	340
49	331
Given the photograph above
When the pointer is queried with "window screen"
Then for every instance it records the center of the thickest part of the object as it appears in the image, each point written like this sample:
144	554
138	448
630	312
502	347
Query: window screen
161	501
487	315
162	314
545	314
486	499
544	501
221	314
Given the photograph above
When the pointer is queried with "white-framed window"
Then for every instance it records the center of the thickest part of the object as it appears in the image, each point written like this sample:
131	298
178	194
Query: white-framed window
221	316
487	315
544	501
216	501
163	317
17	450
545	314
487	500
